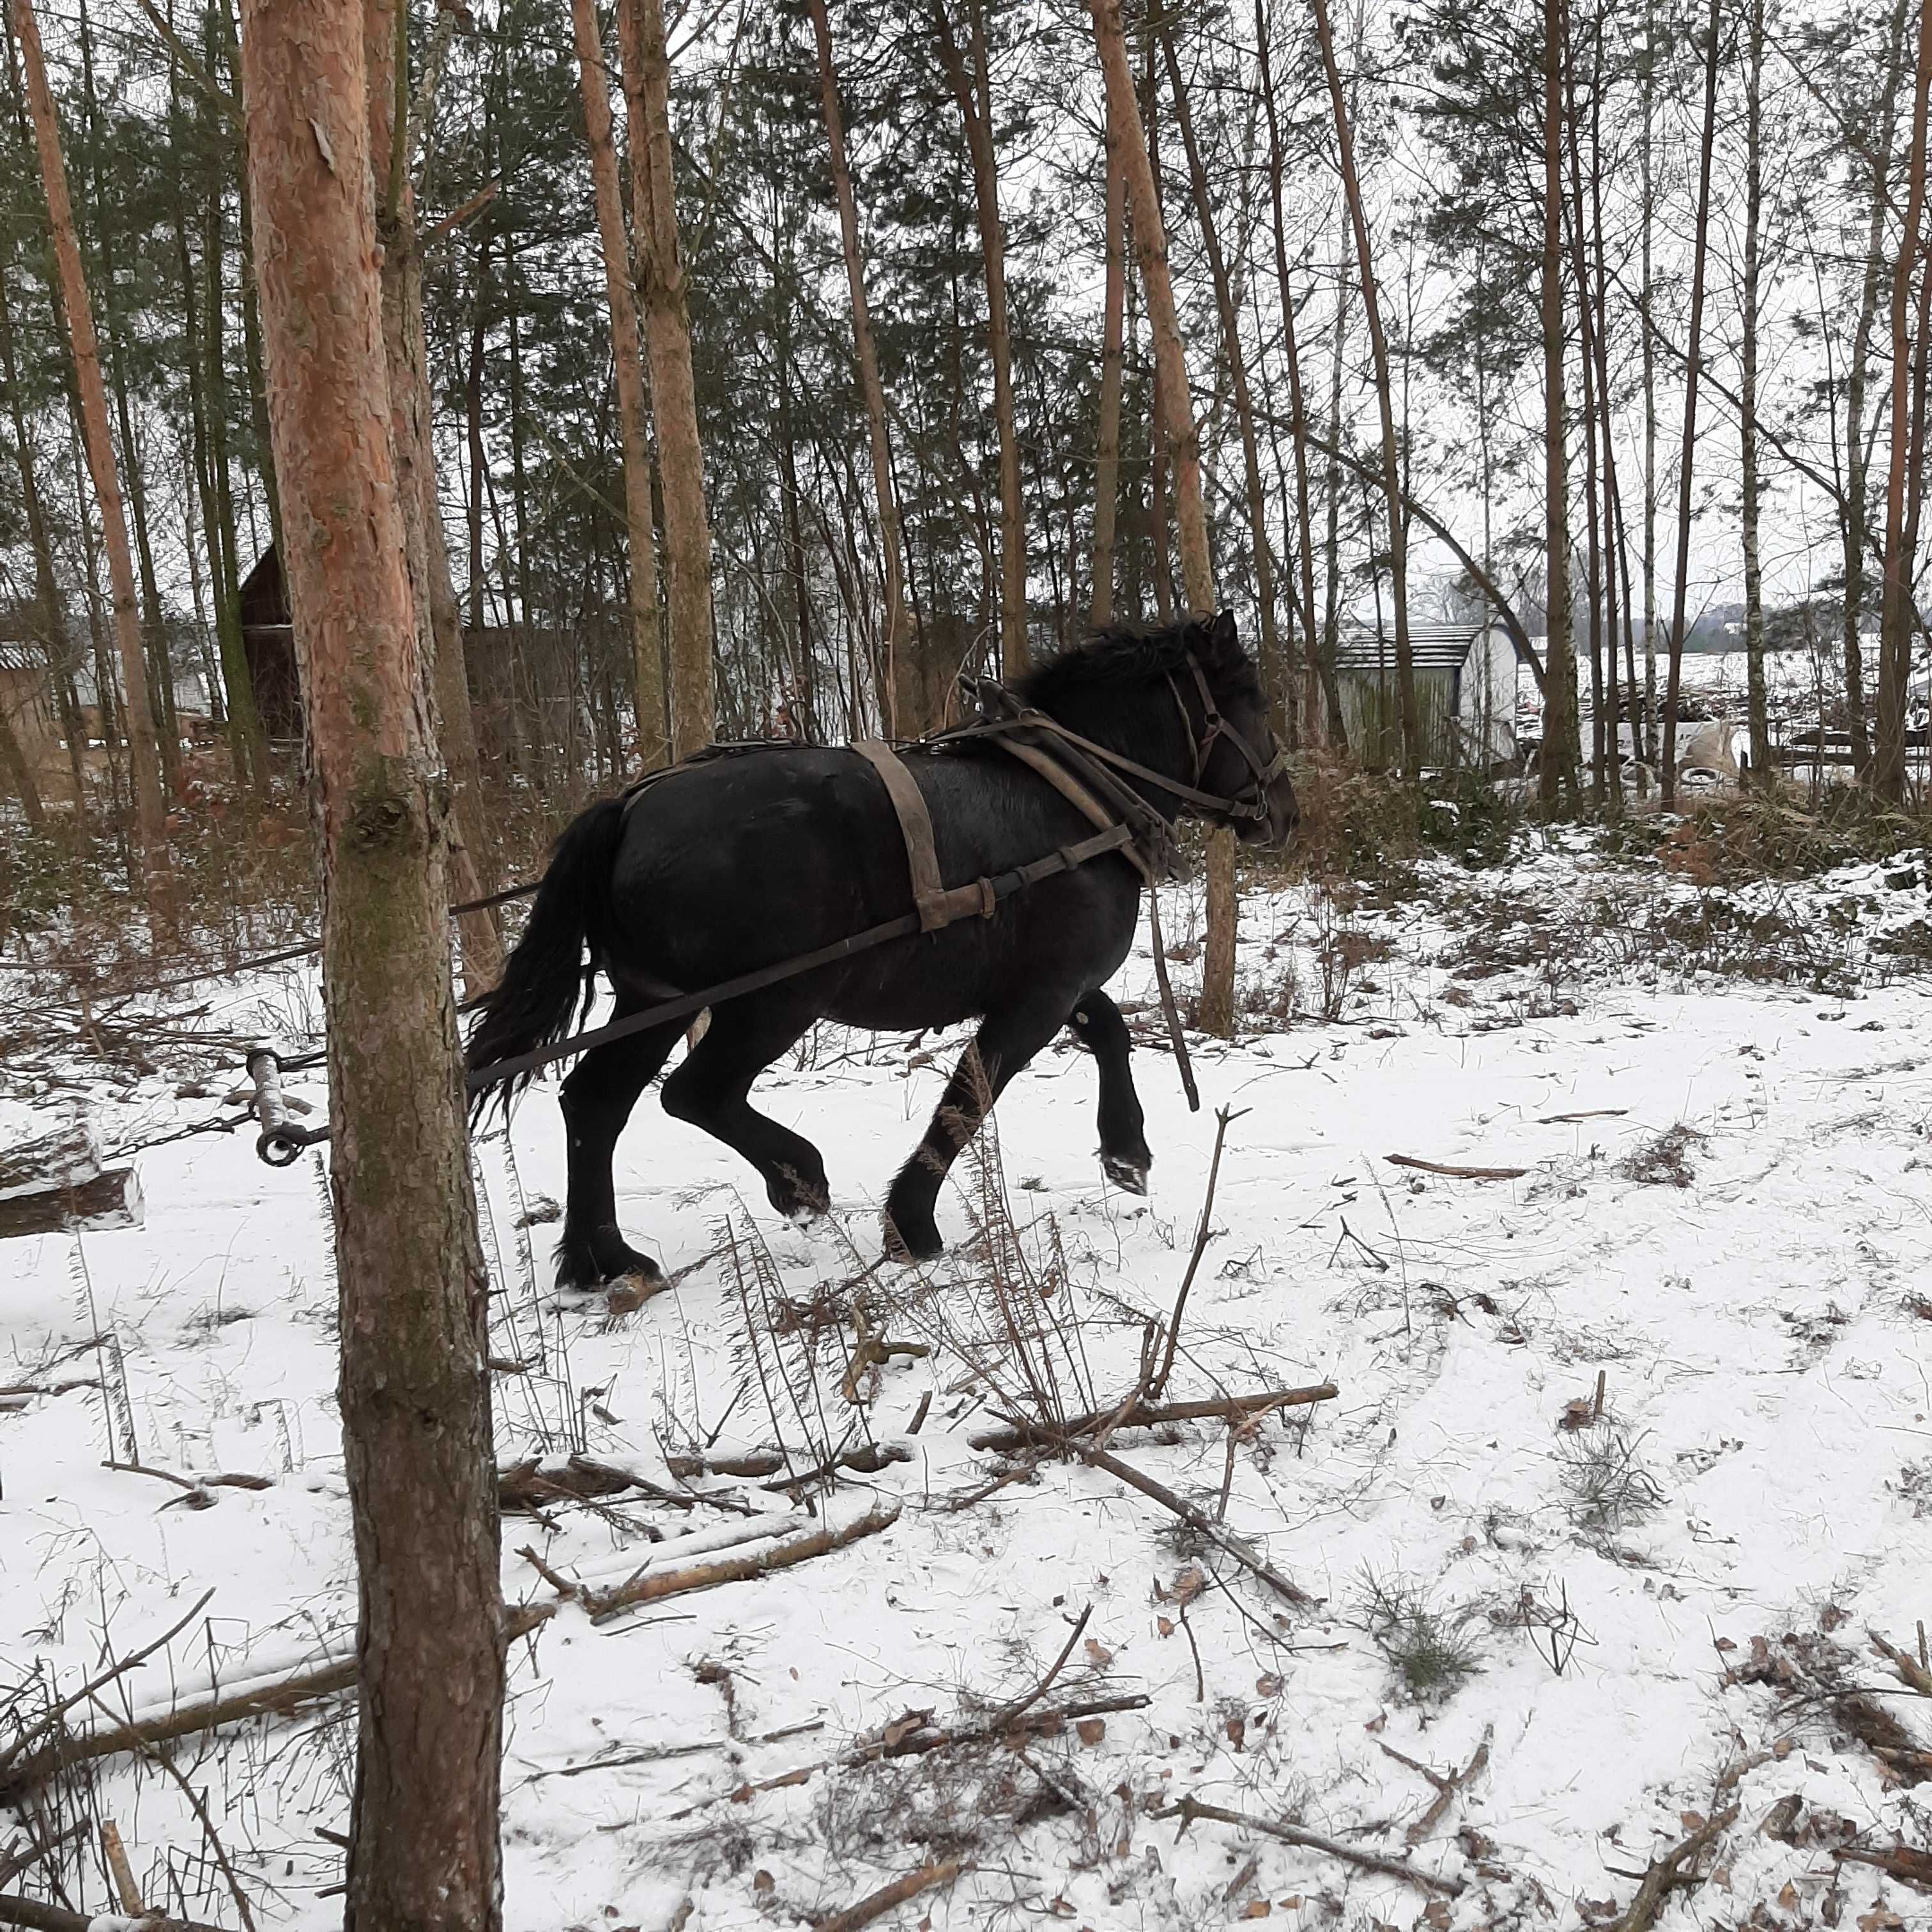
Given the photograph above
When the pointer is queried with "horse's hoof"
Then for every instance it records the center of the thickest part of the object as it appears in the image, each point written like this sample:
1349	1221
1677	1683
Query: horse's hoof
1128	1174
910	1243
799	1200
589	1263
629	1292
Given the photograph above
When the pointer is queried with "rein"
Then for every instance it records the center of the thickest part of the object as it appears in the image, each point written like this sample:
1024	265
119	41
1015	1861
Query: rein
1081	770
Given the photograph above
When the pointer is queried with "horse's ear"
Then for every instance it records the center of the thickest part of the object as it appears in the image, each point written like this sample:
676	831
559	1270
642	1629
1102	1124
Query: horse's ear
1222	639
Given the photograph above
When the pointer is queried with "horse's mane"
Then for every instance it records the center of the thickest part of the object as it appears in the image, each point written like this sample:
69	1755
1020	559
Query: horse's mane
1136	653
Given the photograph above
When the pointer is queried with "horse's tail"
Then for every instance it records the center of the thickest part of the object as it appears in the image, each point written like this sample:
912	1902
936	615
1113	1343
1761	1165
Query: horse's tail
548	979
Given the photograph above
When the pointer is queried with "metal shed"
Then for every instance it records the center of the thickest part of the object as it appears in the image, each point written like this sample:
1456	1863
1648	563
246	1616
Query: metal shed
1464	694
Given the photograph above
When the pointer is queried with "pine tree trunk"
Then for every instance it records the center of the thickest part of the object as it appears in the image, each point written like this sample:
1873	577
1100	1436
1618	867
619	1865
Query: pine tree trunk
1857	480
413	1393
1107	462
647	635
1692	379
971	93
1311	690
48	625
1216	1013
1596	544
1648	84
1896	615
687	534
1561	750
1391	466
1762	774
898	626
143	747
1274	677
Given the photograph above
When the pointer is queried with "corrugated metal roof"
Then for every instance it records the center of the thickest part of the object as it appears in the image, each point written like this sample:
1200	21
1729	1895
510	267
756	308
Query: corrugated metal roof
17	656
1431	646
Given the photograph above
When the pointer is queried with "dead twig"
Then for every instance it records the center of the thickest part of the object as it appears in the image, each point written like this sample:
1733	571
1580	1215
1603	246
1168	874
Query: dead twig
1046	1683
1912	1672
1191	1808
738	1566
1218	1534
115	1853
1447	1784
1019	1434
876	1905
1455	1173
1223	1120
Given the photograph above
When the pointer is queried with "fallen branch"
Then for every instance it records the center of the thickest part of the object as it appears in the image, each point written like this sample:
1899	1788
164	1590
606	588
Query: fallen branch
1667	1874
780	1554
1019	1434
868	1459
31	1913
1454	1173
19	1750
1899	1862
877	1904
1191	1808
276	1697
1447	1784
1912	1672
1218	1534
1046	1683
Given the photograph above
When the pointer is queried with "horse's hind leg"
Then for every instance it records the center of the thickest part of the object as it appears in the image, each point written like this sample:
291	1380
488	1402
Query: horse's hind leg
1008	1039
598	1097
1098	1026
710	1089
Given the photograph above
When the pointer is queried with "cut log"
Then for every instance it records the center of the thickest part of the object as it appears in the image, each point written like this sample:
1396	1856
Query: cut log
109	1200
65	1158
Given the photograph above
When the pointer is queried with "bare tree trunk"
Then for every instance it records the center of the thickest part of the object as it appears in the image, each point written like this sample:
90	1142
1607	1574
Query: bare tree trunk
433	597
1561	750
413	1393
647	635
971	90
46	590
1398	522
1648	84
1759	723
1311	690
1596	548
687	533
1693	376
898	628
1274	680
1216	1013
1853	522
143	744
1895	619
1107	464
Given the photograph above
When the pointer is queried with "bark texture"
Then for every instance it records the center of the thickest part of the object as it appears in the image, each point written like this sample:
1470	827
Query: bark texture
972	91
898	624
1398	521
143	743
687	530
1895	615
647	635
413	1391
1557	773
1107	457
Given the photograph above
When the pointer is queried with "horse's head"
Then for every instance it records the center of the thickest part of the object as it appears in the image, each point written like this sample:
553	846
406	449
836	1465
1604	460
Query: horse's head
1235	752
1182	701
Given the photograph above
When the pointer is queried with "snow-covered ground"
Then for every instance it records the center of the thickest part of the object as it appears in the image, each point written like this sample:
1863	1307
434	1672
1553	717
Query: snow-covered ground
1722	1107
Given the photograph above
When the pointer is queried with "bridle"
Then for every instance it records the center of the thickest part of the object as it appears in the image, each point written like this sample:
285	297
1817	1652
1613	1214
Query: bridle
1251	801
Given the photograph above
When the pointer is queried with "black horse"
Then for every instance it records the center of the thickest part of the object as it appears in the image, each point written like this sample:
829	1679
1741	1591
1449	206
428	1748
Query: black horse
731	862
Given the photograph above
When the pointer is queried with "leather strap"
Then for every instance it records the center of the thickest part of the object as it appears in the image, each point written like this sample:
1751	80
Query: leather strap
915	827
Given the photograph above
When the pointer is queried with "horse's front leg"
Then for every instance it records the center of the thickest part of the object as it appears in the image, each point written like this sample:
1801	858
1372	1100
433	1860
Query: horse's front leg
1098	1026
1007	1039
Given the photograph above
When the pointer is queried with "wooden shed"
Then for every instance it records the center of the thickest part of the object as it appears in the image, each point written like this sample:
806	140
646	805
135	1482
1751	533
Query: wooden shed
1464	694
25	702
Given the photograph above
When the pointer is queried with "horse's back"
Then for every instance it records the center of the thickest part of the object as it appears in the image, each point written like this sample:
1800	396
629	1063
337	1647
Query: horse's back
750	857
